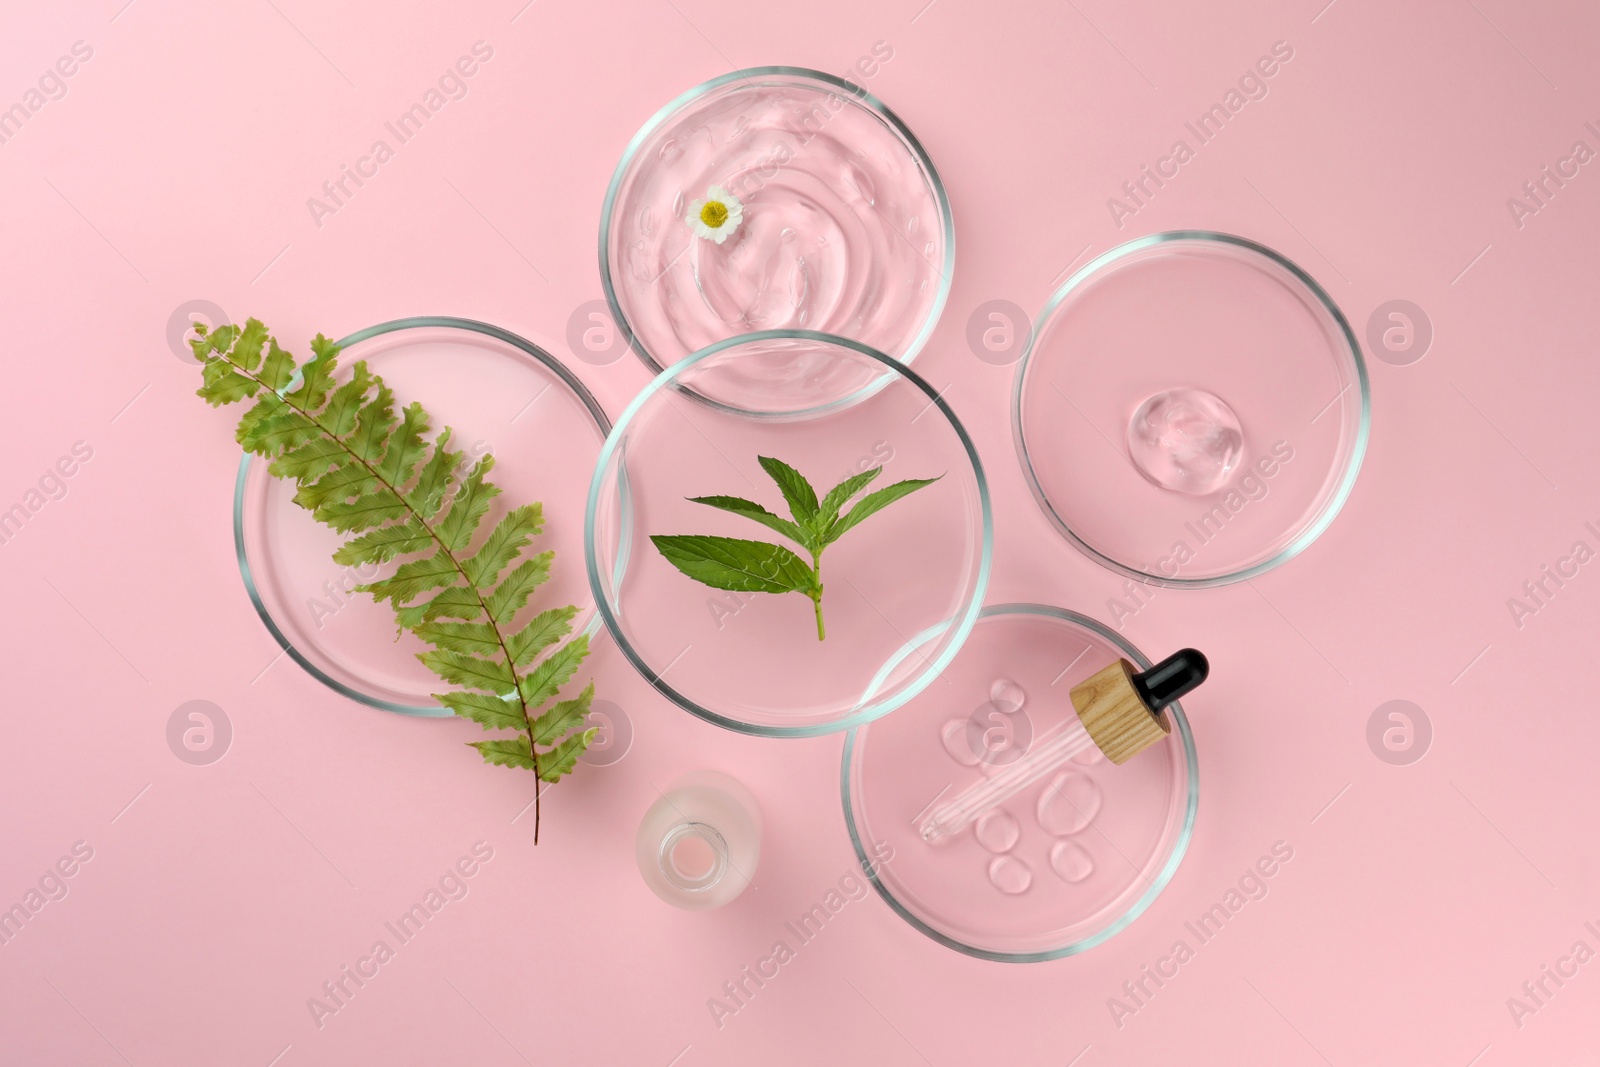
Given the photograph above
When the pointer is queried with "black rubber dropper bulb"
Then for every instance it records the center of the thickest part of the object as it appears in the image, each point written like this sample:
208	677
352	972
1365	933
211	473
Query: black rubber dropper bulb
1172	678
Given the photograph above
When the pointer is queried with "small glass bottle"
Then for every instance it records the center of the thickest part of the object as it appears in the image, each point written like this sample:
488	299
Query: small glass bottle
698	845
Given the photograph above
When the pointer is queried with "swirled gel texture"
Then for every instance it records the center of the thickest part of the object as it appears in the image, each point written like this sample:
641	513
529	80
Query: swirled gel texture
845	229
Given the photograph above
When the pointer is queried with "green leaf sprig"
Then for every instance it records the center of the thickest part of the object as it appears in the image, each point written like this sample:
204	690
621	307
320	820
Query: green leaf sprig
742	566
363	469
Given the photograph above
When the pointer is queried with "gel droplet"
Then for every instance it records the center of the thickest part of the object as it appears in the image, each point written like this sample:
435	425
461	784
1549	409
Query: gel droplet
998	831
954	736
1010	875
1068	804
1007	695
1069	860
1186	440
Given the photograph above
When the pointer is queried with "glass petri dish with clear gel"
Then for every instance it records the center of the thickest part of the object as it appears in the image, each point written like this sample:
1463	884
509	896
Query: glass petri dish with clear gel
1192	409
1061	866
499	394
846	227
752	661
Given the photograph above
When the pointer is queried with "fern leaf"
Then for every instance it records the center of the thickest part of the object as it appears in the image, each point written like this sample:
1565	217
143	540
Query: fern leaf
473	672
246	351
362	513
363	469
406	448
513	592
469	507
413	579
542	631
553	672
310	460
341	483
426	496
221	384
316	380
278	370
490	712
455	602
383	544
510	752
505	542
475	638
339	417
374	422
563	718
276	431
560	761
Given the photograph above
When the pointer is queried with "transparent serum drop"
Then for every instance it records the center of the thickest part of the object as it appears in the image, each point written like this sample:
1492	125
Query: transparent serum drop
1186	440
1068	804
698	846
998	831
1071	861
1010	875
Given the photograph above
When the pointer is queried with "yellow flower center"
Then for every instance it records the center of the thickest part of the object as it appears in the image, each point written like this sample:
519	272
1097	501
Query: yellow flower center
714	214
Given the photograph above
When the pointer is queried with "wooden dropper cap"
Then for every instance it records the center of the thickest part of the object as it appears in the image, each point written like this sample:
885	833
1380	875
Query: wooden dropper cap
1125	711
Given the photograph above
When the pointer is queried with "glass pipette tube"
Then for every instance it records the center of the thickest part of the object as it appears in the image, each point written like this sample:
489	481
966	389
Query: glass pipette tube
941	821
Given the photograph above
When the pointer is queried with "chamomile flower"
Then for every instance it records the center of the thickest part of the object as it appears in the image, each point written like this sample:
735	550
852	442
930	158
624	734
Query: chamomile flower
717	216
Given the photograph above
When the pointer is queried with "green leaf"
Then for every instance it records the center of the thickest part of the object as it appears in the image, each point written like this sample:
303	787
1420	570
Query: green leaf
873	503
278	371
316	376
222	384
454	602
508	752
514	590
373	423
553	672
508	538
406	447
362	513
410	580
734	564
383	544
341	483
474	638
472	672
563	718
491	712
246	352
310	460
212	341
470	505
339	417
542	631
751	510
284	428
797	492
428	493
561	760
839	494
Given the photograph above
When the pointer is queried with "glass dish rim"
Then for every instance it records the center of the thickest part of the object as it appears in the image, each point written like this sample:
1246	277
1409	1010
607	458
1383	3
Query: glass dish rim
1180	847
963	623
859	93
429	711
1335	502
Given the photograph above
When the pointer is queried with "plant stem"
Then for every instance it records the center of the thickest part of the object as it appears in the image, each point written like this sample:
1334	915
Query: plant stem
816	601
533	748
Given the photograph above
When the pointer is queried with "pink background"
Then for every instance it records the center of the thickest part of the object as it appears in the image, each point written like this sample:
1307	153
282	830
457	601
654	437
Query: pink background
1419	898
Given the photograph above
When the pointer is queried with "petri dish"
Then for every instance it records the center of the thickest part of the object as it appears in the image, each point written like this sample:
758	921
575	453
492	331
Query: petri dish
753	661
1060	867
499	394
846	227
1192	410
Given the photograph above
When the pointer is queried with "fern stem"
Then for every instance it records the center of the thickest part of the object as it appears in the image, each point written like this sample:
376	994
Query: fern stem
522	703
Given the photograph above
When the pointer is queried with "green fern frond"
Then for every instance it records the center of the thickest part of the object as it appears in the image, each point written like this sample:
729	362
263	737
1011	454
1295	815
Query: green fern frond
364	469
